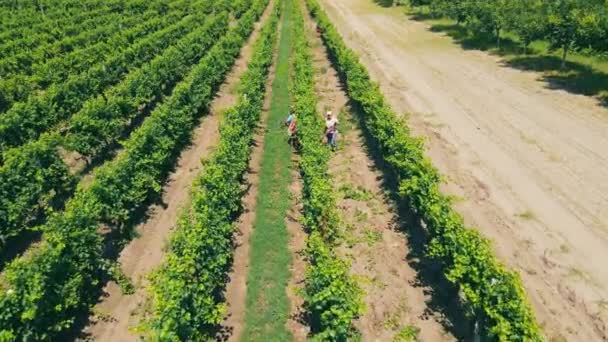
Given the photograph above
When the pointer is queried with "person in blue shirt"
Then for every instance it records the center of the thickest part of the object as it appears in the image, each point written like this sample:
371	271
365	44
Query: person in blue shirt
292	129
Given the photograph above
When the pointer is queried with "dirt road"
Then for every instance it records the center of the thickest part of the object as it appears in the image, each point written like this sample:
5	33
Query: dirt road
530	163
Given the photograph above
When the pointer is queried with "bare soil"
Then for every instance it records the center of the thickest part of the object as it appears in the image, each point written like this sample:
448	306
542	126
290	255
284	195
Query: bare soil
529	162
117	314
373	239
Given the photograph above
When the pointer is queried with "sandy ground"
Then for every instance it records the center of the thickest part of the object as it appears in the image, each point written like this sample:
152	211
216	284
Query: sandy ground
116	314
373	239
530	163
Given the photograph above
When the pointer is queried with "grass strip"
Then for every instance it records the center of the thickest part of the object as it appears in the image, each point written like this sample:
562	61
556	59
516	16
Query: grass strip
267	305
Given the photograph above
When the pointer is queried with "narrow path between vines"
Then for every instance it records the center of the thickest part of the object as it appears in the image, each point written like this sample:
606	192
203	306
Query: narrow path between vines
397	306
267	305
116	313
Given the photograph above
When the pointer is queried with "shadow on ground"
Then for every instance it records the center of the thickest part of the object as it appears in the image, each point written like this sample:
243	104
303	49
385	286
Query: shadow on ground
385	3
575	77
443	297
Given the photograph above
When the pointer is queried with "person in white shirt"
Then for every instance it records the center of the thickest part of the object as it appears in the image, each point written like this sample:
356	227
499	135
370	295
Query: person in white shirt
331	130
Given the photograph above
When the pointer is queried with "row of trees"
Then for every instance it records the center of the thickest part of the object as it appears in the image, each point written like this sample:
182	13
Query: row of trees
566	24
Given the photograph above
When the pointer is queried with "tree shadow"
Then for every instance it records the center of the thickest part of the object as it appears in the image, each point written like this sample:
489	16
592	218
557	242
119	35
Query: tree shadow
421	16
16	246
385	3
478	41
443	303
575	77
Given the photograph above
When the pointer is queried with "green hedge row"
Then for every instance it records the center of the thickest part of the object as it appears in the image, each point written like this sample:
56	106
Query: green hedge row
187	289
28	119
493	294
34	176
25	29
38	47
42	293
332	297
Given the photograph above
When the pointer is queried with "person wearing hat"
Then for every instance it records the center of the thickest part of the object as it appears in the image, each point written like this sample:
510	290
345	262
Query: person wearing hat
331	129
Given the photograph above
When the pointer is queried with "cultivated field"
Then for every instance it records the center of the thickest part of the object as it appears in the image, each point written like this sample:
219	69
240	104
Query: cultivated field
149	189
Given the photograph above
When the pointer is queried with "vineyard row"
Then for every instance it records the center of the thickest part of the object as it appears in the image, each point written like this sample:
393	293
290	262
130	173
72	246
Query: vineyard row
332	297
44	292
35	173
493	295
39	69
186	289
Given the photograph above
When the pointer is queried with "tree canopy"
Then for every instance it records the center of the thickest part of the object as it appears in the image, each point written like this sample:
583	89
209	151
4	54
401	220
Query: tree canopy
566	24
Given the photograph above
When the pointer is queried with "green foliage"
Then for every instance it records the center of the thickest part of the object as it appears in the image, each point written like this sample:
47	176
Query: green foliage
27	119
114	270
186	289
408	334
19	56
524	21
34	173
105	118
566	24
331	295
30	179
570	23
492	294
43	293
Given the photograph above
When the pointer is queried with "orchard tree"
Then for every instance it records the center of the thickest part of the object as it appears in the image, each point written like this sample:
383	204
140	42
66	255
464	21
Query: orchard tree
570	22
593	28
455	9
490	16
527	21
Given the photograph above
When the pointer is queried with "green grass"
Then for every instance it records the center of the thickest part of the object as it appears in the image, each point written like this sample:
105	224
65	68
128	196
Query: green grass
267	303
409	333
583	74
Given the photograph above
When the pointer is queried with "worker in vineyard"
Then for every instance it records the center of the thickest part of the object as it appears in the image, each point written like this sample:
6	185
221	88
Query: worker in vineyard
290	118
331	130
292	129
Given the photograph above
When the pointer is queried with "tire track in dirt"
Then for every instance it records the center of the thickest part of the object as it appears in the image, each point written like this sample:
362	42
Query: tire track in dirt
528	160
373	242
116	314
